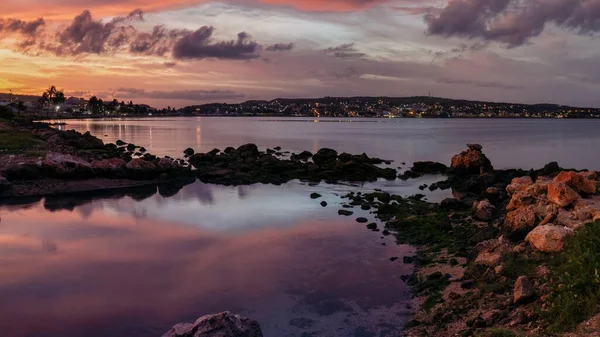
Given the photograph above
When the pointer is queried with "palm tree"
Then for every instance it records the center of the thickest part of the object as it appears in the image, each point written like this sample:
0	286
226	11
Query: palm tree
52	96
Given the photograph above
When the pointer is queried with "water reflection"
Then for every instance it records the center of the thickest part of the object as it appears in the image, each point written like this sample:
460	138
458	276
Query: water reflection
134	263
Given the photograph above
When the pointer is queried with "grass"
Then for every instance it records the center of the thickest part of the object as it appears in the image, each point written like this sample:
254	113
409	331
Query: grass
12	140
576	281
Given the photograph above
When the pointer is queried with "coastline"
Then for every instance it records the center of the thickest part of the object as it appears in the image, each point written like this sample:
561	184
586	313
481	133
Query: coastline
471	250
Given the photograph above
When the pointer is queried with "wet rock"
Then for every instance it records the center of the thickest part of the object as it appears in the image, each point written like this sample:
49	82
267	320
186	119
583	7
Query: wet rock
582	182
138	164
519	184
166	164
325	157
362	220
302	156
142	149
324	203
247	150
523	290
549	238
315	195
372	225
131	147
520	220
189	151
483	210
428	167
472	161
66	165
345	212
120	142
561	194
112	166
393	258
224	324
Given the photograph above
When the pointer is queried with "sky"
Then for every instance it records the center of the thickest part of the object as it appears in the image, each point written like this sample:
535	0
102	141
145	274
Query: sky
183	52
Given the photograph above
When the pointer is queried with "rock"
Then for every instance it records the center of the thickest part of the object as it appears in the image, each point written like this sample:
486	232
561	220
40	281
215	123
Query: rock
224	324
315	195
247	150
520	220
363	220
472	161
138	164
4	184
302	156
167	164
189	151
428	167
142	149
584	183
549	238
523	290
519	184
452	204
490	259
131	147
345	212
324	203
66	165
372	226
549	169
120	143
520	199
325	157
393	258
561	194
483	210
499	269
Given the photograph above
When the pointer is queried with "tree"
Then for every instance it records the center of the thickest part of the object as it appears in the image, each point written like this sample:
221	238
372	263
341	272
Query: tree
52	96
93	105
21	107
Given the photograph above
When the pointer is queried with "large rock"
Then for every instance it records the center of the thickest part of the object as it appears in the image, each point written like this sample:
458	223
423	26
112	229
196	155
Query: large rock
428	167
66	165
520	220
108	165
141	165
167	164
472	161
519	184
224	324
523	290
520	199
583	182
483	210
325	156
247	150
561	194
549	238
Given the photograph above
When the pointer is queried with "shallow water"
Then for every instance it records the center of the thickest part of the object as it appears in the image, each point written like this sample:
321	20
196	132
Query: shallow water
509	143
136	263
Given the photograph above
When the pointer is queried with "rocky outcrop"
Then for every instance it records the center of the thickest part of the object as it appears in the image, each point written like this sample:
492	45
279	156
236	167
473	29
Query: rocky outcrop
224	324
549	238
523	290
325	157
472	161
520	220
583	182
110	167
519	185
167	164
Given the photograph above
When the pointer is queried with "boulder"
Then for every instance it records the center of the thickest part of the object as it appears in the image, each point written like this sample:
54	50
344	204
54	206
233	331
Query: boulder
583	182
523	290
167	164
491	252
428	167
189	151
483	210
549	238
247	150
325	157
302	156
519	184
549	169
520	199
472	161
224	324
561	194
520	220
66	165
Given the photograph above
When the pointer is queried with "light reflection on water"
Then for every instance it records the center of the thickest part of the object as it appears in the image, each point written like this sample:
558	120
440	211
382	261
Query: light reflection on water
135	265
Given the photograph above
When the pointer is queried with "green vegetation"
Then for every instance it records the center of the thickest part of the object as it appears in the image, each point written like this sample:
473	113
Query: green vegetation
12	140
576	280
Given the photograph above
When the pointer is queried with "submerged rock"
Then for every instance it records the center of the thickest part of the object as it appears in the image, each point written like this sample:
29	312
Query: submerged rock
224	324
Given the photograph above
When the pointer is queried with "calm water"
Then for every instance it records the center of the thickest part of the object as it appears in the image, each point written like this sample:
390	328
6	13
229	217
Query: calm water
509	143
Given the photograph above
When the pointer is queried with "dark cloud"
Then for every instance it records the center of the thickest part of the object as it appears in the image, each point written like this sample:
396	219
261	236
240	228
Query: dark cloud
200	45
159	42
190	95
280	47
19	26
512	22
344	51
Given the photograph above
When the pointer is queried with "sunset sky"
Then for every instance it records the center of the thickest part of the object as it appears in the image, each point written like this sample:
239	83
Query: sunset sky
182	52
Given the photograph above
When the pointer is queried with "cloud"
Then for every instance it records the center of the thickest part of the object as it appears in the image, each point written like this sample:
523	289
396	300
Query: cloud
280	47
190	95
200	45
22	27
483	84
344	51
512	22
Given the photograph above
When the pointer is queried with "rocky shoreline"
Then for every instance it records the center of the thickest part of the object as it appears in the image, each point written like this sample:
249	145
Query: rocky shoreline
491	261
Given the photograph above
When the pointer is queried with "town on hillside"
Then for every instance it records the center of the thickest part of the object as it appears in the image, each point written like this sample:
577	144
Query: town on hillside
53	103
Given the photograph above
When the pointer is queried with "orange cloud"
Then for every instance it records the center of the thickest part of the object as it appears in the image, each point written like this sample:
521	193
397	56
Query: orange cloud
65	10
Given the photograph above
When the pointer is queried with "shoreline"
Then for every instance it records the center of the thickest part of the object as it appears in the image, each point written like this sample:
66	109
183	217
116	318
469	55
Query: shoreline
474	267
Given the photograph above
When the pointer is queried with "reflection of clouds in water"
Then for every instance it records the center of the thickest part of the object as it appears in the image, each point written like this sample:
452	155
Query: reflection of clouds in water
48	246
